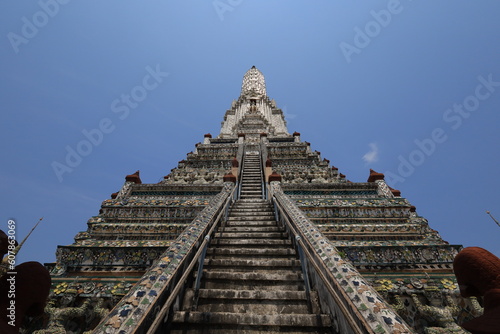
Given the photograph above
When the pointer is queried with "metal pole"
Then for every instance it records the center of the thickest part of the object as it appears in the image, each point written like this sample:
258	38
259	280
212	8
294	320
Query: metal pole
303	264
200	266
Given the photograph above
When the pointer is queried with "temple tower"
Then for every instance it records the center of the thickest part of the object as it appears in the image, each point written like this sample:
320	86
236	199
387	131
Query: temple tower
253	113
156	254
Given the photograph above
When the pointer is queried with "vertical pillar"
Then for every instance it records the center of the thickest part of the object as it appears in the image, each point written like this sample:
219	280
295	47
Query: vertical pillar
268	170
206	139
241	138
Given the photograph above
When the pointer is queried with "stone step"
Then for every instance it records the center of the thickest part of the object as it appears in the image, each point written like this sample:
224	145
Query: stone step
256	205
251	191
262	201
252	294
270	280
253	208
180	328
264	223
253	218
251	242
251	188
256	306
252	204
256	301
249	235
251	319
250	214
249	264
250	229
254	252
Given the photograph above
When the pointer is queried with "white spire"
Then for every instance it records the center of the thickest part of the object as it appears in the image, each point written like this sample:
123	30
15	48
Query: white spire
253	83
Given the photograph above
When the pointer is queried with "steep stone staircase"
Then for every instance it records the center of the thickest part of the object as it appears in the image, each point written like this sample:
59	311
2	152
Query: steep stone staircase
252	280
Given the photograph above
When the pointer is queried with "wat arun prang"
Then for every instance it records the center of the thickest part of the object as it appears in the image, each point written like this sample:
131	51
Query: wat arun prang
382	252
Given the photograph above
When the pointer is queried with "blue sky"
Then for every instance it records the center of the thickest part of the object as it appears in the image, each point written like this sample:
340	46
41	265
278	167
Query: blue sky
408	88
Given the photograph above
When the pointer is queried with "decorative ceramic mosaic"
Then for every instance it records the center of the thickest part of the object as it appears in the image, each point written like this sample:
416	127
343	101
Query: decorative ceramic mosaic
383	189
400	253
89	289
118	254
172	193
117	214
127	227
154	202
368	202
332	193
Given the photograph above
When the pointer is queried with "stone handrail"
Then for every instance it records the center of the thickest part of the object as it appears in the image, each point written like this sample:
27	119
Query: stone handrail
355	305
137	310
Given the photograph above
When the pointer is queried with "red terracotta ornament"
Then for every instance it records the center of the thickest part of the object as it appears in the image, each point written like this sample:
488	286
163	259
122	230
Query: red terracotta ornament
275	177
478	274
133	178
229	178
374	176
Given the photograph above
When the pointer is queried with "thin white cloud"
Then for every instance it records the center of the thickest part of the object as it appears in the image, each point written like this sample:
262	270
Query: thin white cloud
372	155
